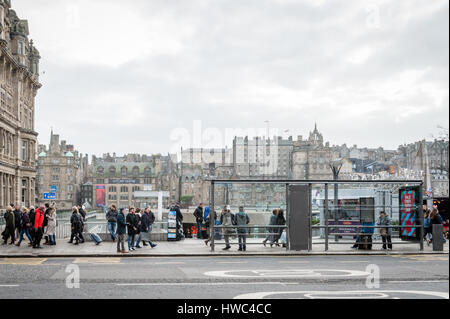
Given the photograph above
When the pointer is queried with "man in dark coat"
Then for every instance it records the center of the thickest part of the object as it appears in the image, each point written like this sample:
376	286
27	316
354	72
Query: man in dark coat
17	220
75	221
179	219
132	225
198	214
121	231
9	226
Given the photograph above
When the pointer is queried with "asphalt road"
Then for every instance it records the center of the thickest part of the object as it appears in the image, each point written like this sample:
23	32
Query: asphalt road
418	276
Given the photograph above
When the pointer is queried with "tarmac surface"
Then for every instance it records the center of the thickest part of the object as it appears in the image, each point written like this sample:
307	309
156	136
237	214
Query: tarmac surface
371	277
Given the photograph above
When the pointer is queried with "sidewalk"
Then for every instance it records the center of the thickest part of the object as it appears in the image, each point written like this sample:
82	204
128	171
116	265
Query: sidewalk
196	247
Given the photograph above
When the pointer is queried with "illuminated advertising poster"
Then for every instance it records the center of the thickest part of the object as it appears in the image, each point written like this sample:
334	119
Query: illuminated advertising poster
100	191
407	212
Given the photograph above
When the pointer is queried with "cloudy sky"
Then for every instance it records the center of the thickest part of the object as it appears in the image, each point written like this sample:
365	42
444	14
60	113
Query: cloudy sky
129	76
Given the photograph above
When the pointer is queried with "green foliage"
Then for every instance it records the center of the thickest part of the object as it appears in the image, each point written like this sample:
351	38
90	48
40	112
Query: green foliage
187	199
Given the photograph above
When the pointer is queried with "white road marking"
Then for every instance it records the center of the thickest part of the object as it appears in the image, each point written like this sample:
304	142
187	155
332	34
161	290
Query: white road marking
170	263
342	294
286	273
416	281
9	286
232	262
200	283
353	261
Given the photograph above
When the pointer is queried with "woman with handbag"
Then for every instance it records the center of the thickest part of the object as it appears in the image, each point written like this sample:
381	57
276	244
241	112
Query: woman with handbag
385	233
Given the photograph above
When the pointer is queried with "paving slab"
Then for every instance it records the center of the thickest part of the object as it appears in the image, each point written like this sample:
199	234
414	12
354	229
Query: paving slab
196	247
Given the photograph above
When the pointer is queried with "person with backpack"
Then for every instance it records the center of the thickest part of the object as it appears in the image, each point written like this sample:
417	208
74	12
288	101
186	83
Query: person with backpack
198	214
121	231
242	219
25	228
227	219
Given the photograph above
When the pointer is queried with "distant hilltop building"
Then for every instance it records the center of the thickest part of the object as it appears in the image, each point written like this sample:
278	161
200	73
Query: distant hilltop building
59	173
19	83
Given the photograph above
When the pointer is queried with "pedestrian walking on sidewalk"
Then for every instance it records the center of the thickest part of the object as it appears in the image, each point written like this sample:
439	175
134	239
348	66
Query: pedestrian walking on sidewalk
75	221
10	227
31	215
385	233
281	221
198	214
38	230
121	230
45	223
111	217
51	226
138	228
227	219
147	220
25	228
132	224
427	226
271	230
242	219
209	227
17	221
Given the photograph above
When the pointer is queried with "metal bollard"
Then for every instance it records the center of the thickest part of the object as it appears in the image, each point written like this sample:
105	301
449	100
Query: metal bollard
438	237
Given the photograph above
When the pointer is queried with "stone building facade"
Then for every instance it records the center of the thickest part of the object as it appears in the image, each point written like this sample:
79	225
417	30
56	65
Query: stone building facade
116	179
311	158
59	171
19	83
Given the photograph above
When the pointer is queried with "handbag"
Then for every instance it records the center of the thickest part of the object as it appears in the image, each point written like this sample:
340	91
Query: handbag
383	232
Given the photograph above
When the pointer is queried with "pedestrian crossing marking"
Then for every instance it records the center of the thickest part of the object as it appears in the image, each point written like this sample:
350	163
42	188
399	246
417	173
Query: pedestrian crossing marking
23	261
97	260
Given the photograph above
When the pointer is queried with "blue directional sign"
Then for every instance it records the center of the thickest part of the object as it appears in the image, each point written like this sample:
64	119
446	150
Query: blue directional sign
50	196
53	188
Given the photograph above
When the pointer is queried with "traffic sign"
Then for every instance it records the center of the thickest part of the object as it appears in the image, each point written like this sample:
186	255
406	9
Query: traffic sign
53	188
50	196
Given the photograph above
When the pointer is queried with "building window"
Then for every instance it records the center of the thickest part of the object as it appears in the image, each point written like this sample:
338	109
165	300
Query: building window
112	189
24	150
124	171
124	197
124	189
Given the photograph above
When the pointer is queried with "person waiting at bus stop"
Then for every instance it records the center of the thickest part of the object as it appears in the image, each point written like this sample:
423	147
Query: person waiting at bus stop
385	233
242	219
227	219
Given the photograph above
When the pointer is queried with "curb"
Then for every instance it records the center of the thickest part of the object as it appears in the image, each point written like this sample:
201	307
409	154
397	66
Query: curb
109	255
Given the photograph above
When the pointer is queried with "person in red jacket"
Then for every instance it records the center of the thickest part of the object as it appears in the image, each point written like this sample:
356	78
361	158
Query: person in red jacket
38	222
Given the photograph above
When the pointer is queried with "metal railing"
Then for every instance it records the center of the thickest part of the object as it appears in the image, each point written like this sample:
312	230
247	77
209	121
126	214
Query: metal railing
327	242
234	233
